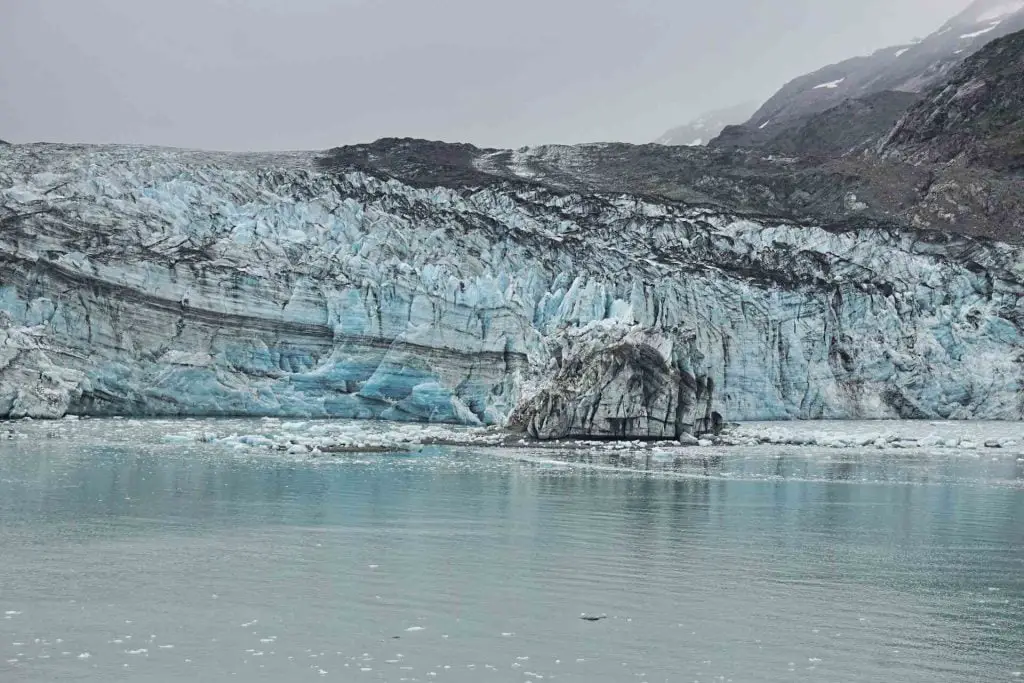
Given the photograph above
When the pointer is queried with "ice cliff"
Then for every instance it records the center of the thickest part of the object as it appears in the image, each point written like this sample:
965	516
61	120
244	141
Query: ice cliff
158	282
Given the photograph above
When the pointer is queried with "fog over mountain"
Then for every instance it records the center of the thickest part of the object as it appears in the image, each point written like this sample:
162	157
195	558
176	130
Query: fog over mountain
316	73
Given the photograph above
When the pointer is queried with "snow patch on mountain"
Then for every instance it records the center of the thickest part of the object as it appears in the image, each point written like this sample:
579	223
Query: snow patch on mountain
982	32
830	84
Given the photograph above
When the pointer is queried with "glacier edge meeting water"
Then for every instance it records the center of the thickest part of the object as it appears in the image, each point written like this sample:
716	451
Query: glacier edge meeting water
161	282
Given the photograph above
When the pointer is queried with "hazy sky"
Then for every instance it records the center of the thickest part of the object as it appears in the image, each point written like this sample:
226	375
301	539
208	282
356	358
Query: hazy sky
304	74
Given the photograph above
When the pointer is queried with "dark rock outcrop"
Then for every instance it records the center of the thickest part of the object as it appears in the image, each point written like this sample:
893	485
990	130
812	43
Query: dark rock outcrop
850	127
419	163
628	390
975	119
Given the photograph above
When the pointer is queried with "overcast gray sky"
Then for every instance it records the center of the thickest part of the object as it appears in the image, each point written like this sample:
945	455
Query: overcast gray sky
305	74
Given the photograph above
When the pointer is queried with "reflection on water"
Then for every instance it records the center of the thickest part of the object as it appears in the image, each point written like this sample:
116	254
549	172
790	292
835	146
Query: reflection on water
128	559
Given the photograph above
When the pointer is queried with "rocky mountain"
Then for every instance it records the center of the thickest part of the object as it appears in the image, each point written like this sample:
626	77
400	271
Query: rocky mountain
855	190
948	158
704	128
910	68
974	119
563	290
851	127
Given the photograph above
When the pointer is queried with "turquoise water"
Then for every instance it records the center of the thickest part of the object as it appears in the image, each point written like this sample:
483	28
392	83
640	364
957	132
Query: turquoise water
125	558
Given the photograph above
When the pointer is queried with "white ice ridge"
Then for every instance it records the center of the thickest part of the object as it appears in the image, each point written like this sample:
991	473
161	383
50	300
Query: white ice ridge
160	282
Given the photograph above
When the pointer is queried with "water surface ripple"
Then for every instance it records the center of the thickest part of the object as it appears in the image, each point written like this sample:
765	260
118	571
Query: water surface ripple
127	558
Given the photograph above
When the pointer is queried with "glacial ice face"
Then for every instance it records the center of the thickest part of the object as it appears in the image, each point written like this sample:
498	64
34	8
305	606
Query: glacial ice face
149	281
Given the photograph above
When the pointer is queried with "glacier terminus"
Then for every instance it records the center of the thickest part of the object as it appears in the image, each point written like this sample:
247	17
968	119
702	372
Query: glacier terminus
150	281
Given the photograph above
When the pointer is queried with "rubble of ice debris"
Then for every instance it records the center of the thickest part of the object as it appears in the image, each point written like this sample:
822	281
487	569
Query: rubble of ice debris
882	435
335	437
315	438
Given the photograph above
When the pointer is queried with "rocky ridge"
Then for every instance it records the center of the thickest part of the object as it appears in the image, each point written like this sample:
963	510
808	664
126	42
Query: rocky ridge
974	119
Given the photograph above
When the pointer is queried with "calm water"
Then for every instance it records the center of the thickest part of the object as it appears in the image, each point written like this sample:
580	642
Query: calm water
124	558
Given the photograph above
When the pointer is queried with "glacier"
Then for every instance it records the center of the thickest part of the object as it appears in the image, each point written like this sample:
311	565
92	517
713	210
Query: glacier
157	282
